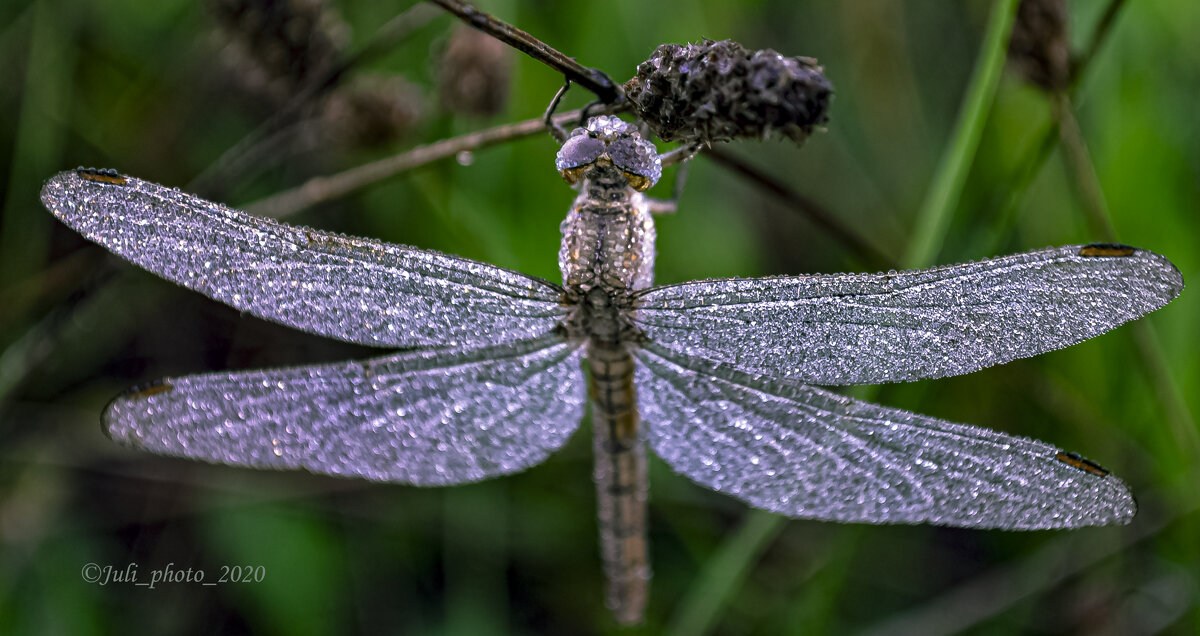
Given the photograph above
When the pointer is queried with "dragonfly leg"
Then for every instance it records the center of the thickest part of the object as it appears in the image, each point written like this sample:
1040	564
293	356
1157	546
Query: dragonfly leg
559	133
671	205
585	113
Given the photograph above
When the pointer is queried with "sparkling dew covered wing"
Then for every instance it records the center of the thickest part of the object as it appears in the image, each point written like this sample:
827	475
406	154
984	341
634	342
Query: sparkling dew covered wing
428	418
863	329
353	289
804	452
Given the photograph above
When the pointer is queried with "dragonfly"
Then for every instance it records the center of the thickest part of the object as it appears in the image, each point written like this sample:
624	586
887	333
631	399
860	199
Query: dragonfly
494	369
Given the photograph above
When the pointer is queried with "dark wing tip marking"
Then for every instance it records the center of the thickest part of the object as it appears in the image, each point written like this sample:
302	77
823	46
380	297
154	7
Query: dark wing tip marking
1075	460
101	175
1094	250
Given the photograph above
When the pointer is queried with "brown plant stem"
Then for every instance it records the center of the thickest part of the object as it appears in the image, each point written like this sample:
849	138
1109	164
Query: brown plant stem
1099	36
806	207
592	79
1083	172
320	189
1150	353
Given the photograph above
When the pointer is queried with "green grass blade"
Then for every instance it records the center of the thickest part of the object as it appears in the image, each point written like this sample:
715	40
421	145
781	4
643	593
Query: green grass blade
724	572
955	163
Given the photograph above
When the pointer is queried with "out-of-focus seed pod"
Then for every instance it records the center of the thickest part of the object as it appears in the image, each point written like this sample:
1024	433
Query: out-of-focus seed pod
273	46
277	49
1039	49
475	73
371	110
719	91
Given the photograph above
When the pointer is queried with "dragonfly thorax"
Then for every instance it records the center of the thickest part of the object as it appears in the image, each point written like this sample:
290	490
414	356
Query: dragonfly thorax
600	315
608	240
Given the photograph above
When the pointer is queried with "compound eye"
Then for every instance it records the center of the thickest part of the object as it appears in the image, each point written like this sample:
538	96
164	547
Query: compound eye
636	157
578	151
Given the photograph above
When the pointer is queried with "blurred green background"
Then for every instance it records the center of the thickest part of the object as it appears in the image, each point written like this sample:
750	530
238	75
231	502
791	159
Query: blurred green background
154	89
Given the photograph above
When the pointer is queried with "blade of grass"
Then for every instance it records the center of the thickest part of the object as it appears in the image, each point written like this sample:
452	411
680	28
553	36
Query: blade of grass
724	573
24	228
934	215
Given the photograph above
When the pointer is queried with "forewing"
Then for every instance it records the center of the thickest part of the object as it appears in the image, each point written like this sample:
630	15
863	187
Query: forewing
354	289
426	418
865	329
804	452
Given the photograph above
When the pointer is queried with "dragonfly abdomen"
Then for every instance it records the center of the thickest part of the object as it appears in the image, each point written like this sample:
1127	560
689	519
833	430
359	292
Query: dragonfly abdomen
620	480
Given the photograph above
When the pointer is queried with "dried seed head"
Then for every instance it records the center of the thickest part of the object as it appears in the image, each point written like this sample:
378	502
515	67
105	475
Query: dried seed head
274	46
1039	49
718	91
278	48
372	110
475	73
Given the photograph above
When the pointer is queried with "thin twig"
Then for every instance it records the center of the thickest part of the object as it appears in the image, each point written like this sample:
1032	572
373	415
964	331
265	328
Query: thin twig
1150	353
48	286
320	189
1099	36
592	79
40	341
269	146
1039	152
1082	171
811	210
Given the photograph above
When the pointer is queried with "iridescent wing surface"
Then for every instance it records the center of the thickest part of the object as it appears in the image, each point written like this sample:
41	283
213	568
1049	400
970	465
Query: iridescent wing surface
930	323
804	452
353	289
428	418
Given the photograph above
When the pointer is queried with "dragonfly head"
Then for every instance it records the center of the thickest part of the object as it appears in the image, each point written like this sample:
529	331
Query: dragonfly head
609	149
